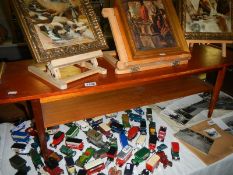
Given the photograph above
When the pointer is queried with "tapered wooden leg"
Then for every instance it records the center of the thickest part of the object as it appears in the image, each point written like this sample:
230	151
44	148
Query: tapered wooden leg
39	121
216	90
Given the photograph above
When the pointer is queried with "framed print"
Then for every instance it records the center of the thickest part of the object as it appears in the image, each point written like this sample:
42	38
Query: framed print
150	30
207	19
59	29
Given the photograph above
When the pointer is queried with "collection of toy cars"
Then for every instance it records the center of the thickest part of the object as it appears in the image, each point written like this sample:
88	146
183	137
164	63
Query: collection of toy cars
110	142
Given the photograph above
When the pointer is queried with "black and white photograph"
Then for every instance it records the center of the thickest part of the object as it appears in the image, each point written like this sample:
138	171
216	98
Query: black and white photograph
198	141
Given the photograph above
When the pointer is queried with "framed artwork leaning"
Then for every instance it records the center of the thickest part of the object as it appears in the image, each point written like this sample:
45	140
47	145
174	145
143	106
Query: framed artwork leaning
150	30
59	29
207	19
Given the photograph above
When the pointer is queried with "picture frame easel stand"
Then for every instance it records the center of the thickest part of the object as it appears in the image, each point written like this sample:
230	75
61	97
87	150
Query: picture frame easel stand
222	42
52	74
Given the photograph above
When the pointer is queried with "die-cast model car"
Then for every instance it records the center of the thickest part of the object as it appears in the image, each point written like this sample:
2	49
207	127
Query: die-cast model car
57	139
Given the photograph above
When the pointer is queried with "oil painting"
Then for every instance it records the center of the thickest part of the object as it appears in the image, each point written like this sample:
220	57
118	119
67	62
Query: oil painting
59	28
151	27
207	19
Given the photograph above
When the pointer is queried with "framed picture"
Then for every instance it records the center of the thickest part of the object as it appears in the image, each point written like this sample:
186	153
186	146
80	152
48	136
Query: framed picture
59	29
207	19
150	30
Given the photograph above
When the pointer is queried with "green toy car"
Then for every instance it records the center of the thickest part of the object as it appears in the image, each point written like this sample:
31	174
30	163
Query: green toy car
140	156
85	157
67	151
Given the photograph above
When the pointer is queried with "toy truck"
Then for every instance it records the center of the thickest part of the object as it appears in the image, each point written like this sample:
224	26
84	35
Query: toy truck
19	136
94	166
105	129
152	128
70	165
67	151
125	120
96	138
141	141
73	131
175	151
57	139
132	133
85	157
143	127
152	163
152	142
124	155
74	143
163	159
140	156
149	114
123	139
162	133
36	159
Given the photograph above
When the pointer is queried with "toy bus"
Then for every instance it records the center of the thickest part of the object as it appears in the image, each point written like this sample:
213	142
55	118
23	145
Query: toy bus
152	162
105	129
140	142
123	139
74	143
124	155
94	166
19	136
73	131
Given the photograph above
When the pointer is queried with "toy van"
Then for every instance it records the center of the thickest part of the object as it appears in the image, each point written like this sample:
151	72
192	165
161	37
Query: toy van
152	163
124	155
94	166
140	142
105	129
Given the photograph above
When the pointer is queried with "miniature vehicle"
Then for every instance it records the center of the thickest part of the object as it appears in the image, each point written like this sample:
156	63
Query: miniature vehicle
95	138
67	151
23	170
152	163
114	171
94	122
54	155
149	114
140	156
83	125
135	117
56	171
73	131
143	127
101	153
57	139
123	139
163	159
36	159
116	126
161	147
19	127
129	169
111	115
141	141
175	151
19	136
94	166
82	172
139	111
132	133
20	148
128	111
124	155
17	162
31	131
70	166
125	120
162	133
111	154
74	143
105	129
85	157
51	163
52	130
145	172
152	128
152	142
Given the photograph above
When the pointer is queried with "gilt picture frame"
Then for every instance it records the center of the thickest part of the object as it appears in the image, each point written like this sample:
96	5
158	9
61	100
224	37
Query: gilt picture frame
151	30
59	29
207	19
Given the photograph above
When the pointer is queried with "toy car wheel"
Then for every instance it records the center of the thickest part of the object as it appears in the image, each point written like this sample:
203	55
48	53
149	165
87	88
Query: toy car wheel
170	163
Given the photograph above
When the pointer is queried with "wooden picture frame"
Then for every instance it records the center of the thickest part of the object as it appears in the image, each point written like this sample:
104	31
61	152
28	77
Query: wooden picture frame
143	41
57	29
210	20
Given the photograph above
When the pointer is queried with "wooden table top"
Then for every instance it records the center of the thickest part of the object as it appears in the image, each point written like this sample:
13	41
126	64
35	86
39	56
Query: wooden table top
17	78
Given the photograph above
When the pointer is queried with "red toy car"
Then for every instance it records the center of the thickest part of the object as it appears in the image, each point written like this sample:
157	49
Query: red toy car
133	131
57	139
175	151
55	171
162	133
163	159
74	143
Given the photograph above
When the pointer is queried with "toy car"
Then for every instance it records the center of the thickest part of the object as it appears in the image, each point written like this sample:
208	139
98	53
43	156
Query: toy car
124	155
123	139
74	143
111	154
73	131
161	147
143	127
67	151
52	130
152	128
145	172
149	114
116	126
135	117
152	142
85	157
54	155
83	125
20	148
94	166
139	111
55	171
141	141
132	133
19	127
114	171
94	122
105	129
36	159
129	169
162	133
17	162
51	163
70	166
96	138
163	159
152	163
175	151
101	153
19	136
125	120
57	139
140	156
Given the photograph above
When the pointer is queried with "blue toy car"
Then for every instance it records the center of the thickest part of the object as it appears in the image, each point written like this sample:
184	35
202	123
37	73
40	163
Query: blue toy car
19	136
139	111
135	117
116	126
123	139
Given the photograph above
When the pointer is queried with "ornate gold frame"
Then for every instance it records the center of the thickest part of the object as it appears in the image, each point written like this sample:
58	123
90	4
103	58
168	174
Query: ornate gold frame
42	54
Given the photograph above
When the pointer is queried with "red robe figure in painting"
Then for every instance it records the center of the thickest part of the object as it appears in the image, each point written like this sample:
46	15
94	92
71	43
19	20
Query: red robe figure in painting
143	12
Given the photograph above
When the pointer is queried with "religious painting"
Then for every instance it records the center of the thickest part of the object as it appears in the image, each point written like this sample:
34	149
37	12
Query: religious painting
59	29
207	19
151	28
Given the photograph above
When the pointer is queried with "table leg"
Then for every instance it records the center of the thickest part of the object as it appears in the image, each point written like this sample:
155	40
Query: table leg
39	121
216	90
